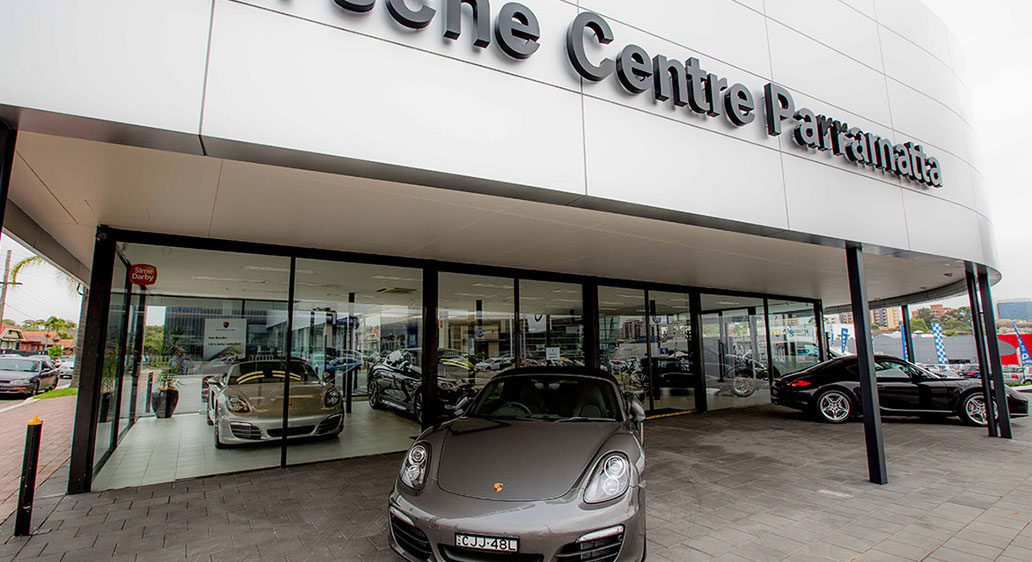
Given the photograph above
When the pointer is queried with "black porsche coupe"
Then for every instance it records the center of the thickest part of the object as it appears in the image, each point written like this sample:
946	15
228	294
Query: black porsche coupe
831	392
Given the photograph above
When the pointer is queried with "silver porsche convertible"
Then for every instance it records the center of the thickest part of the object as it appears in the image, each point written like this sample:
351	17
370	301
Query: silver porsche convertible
245	403
546	463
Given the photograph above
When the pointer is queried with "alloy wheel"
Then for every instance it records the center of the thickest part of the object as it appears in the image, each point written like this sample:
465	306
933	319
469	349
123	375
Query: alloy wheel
834	406
974	409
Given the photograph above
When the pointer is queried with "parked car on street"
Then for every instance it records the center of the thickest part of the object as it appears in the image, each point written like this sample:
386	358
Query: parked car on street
1017	375
545	463
245	403
831	392
27	375
66	366
495	363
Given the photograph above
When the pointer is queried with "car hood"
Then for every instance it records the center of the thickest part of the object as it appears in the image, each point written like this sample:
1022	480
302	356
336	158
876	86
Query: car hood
532	460
267	399
14	375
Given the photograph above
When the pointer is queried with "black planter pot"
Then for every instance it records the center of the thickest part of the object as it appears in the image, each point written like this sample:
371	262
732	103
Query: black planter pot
105	405
163	402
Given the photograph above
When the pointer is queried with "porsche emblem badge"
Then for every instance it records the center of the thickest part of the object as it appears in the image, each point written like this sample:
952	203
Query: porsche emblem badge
498	487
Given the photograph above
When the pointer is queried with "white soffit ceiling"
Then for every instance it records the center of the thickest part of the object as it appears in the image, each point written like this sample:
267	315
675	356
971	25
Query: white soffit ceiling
69	186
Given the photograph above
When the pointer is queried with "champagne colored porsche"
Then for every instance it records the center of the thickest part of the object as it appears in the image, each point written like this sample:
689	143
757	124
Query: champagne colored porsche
544	464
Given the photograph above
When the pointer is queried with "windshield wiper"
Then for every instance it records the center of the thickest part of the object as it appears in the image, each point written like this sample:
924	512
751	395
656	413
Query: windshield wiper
583	419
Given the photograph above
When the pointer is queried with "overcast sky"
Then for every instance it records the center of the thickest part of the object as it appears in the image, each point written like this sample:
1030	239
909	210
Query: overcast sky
997	43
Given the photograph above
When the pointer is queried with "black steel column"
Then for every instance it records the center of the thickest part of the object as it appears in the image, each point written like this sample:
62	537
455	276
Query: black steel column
908	334
697	355
517	328
123	348
8	138
91	368
770	348
865	358
822	337
983	361
592	354
431	337
647	370
993	344
288	351
141	327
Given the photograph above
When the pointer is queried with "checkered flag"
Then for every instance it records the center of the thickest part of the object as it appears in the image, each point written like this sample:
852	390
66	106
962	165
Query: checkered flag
940	344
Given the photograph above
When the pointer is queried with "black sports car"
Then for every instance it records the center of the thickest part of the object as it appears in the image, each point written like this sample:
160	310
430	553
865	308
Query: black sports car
831	391
397	382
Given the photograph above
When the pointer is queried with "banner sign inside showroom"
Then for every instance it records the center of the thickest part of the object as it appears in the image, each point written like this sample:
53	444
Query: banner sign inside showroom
684	84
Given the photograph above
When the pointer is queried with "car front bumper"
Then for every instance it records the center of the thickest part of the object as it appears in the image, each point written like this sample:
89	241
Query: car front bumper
548	531
234	430
9	388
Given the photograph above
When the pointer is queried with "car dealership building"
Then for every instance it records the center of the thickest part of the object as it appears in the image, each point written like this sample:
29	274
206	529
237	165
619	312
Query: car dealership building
398	190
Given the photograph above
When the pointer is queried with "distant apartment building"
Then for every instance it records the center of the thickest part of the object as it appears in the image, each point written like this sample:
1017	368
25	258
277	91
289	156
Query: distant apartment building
1014	309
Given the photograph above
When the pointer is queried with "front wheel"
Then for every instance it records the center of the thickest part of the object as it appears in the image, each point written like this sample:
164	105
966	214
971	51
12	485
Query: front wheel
833	406
972	410
375	400
743	385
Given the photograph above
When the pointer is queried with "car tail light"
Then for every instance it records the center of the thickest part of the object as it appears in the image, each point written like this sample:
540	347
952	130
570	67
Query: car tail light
800	384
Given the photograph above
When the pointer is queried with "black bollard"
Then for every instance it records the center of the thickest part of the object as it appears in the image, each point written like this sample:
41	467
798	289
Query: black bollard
23	521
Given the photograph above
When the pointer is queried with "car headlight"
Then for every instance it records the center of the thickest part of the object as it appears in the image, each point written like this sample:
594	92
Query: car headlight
413	469
447	386
21	382
610	480
238	405
332	397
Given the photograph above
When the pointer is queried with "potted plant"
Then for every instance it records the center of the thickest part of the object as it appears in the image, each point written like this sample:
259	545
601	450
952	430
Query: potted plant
165	397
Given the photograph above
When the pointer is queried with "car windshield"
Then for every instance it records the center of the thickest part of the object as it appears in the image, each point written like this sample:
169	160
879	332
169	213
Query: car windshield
259	372
19	365
547	398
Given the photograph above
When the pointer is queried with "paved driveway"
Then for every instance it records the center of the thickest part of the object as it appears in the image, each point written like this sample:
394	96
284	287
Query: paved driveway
754	484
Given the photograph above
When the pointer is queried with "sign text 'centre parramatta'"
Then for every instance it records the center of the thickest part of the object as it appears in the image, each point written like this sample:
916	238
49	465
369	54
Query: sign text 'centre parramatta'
684	84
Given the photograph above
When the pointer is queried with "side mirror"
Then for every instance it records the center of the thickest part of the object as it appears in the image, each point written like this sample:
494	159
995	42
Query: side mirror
461	405
637	410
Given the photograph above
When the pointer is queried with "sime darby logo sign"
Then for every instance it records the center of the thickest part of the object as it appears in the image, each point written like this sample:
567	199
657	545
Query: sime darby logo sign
143	274
684	84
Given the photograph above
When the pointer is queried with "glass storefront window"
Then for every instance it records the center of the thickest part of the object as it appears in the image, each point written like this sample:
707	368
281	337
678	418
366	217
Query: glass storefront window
207	312
621	324
114	340
551	323
476	316
734	347
358	329
793	336
674	369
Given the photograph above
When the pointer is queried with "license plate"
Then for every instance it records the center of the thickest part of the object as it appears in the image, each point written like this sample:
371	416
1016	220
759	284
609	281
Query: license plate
487	543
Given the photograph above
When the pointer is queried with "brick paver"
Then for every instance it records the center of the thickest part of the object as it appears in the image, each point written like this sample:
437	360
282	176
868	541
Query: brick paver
756	484
56	443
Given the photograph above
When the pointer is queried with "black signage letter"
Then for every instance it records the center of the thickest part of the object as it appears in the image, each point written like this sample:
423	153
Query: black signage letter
714	86
739	104
903	161
360	6
575	46
917	161
696	86
518	31
633	69
481	18
412	19
670	80
779	105
934	175
806	133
